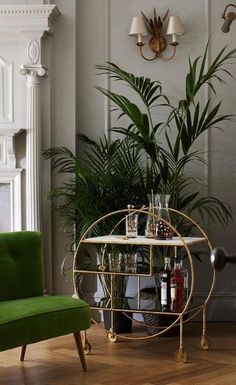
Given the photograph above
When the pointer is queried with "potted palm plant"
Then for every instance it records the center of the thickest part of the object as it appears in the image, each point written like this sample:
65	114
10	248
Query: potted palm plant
186	122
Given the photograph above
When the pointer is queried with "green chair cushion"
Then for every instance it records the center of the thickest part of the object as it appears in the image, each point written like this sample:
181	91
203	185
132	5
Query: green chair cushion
29	320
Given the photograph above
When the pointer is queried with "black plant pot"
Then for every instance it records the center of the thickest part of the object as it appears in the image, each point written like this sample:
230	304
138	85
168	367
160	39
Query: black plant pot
121	322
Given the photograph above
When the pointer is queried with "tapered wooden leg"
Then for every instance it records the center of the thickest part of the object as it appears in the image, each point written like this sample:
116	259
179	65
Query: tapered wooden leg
79	345
22	355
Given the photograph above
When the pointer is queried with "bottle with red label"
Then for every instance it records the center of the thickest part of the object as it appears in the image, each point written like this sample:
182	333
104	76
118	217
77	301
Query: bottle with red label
177	287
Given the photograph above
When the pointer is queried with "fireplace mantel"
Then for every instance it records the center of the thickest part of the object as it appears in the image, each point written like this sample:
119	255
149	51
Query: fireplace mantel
25	27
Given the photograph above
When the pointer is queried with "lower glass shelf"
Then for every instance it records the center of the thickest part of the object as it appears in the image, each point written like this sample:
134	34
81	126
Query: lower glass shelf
134	305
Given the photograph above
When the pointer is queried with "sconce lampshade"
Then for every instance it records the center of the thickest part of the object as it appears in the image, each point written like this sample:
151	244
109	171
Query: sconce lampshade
174	26
143	26
138	27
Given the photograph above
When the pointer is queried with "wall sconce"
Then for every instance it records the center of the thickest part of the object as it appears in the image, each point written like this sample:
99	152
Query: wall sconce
142	26
228	19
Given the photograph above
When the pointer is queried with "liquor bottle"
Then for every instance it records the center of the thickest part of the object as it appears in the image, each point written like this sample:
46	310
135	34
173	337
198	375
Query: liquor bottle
165	286
184	273
177	287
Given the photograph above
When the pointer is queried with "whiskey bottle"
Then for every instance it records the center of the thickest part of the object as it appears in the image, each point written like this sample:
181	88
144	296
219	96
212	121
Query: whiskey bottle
177	286
165	286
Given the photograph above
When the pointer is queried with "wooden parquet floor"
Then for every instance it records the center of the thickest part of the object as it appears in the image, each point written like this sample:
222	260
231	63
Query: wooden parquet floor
143	362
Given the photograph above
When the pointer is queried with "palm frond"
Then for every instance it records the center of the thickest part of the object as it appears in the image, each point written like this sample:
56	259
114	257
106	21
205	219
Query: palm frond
195	78
214	208
62	158
148	90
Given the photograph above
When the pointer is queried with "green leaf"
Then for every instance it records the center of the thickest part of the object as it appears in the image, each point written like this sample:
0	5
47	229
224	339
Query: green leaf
143	86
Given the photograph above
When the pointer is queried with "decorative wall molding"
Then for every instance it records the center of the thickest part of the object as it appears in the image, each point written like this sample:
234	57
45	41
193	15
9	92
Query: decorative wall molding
7	151
13	178
107	58
23	18
33	51
6	91
49	11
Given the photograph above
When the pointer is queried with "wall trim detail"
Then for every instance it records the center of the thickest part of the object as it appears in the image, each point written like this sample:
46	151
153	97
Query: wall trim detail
107	102
7	66
29	9
7	151
33	51
27	17
13	177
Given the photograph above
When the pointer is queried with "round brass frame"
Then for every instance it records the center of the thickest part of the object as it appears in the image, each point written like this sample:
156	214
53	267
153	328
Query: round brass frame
180	355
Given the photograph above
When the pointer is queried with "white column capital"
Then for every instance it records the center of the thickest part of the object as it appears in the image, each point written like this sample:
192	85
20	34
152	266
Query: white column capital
37	70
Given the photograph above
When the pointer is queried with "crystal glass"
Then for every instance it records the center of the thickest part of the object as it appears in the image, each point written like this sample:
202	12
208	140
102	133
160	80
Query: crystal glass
116	262
130	262
150	229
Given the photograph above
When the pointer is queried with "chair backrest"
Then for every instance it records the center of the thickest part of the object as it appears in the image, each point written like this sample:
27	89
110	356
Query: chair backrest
21	271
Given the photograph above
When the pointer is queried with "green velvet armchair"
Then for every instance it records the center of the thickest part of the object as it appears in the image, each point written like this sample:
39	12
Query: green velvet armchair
26	314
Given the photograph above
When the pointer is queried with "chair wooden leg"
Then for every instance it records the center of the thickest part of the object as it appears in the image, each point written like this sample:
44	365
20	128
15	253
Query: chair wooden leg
79	345
22	355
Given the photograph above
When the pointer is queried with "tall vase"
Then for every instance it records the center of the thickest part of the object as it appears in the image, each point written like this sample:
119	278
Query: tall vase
150	229
163	231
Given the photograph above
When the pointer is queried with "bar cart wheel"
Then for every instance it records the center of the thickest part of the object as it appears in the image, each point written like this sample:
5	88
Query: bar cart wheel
181	356
111	336
204	343
87	347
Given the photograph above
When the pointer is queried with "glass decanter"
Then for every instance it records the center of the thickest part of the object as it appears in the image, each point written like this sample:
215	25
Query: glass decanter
163	231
